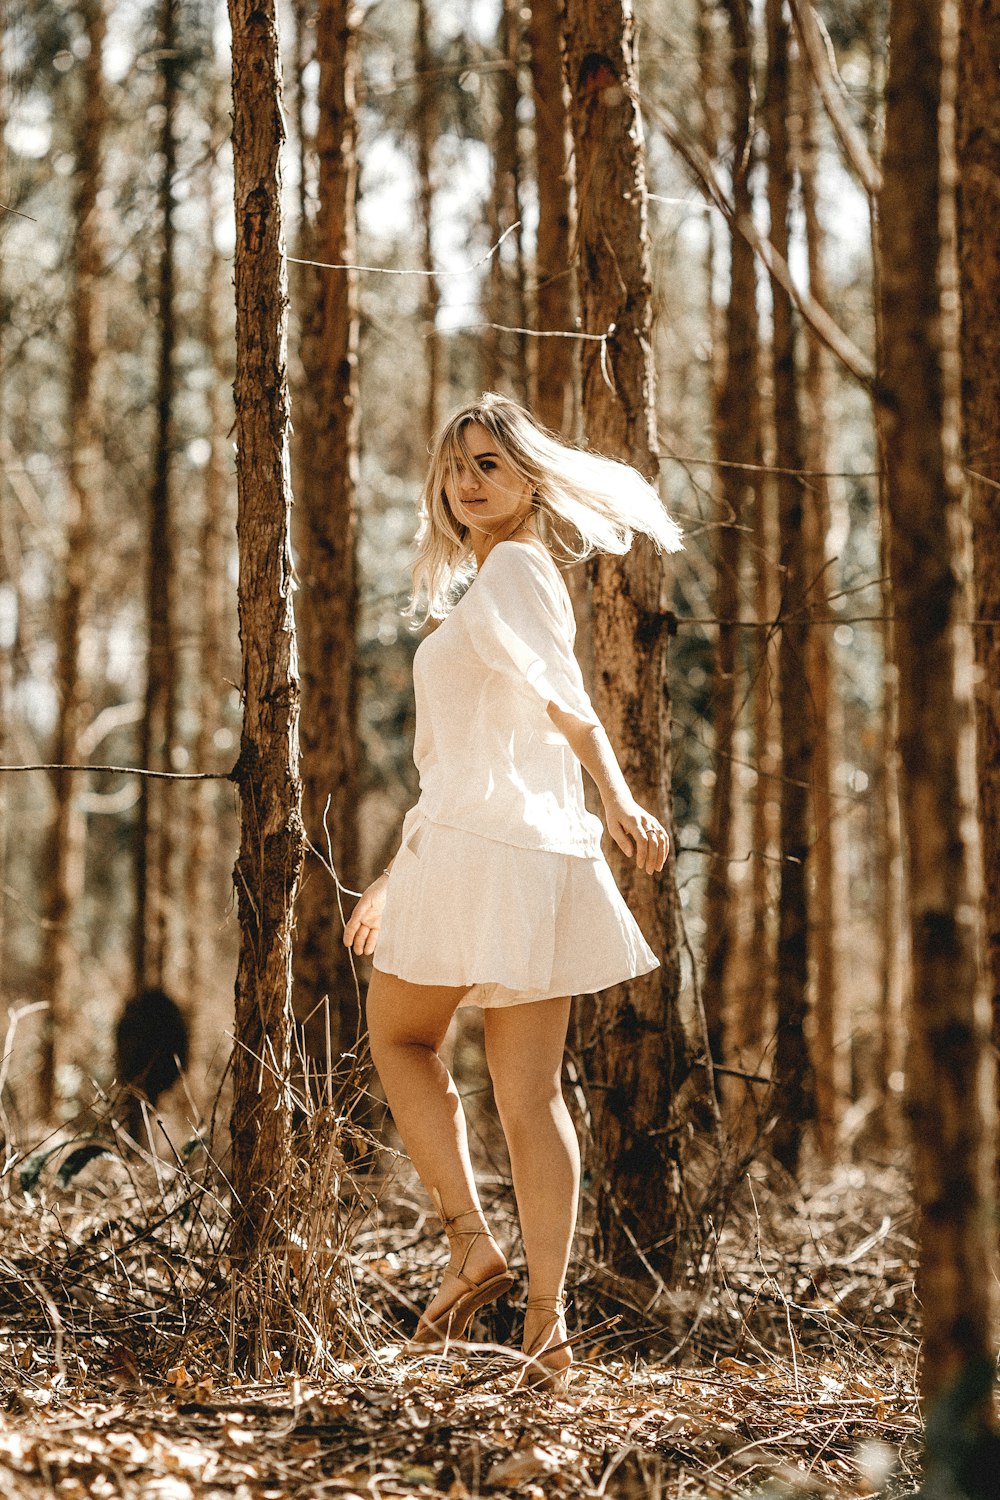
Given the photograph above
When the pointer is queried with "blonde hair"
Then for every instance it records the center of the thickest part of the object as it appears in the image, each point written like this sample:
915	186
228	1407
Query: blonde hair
588	503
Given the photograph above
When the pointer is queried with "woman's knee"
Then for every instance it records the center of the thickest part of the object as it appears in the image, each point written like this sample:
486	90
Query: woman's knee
526	1101
403	1015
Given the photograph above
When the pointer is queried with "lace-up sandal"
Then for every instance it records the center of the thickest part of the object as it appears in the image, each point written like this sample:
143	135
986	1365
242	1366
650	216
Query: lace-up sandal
453	1320
548	1359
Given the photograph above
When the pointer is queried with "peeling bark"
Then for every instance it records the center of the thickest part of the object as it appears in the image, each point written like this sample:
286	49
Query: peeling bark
271	836
639	1049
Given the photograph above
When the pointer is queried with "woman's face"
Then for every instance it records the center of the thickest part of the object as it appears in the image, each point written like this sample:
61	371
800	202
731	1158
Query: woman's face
489	495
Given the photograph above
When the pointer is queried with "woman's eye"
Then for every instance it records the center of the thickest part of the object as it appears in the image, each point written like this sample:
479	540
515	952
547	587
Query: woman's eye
487	465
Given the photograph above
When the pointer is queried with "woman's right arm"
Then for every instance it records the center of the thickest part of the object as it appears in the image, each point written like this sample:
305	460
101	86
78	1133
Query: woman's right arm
638	834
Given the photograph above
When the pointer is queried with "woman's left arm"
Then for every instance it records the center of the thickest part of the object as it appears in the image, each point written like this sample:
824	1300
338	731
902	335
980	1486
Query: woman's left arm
636	832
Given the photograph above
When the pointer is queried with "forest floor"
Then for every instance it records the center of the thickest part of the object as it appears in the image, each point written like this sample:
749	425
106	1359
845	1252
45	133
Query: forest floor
783	1367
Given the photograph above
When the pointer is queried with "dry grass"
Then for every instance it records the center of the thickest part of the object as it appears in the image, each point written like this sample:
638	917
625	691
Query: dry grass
783	1362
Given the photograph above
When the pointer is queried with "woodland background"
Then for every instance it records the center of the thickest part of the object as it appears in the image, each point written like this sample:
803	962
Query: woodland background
778	295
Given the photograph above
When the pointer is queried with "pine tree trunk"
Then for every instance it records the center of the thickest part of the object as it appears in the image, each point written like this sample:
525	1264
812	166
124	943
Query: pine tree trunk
827	895
553	383
737	443
979	265
426	131
326	534
950	1135
793	1096
506	354
639	1050
271	834
67	835
154	839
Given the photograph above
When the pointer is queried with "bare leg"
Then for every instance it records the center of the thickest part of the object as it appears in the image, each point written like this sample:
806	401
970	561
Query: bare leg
524	1049
406	1026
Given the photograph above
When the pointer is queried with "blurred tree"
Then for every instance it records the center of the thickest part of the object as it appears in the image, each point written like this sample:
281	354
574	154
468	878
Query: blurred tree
7	563
155	842
326	539
505	353
553	373
64	866
639	1049
793	1098
425	129
736	444
827	896
746	493
208	611
979	264
271	835
951	1132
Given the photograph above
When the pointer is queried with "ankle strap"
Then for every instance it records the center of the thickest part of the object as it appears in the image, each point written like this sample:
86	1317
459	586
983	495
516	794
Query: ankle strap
555	1305
464	1214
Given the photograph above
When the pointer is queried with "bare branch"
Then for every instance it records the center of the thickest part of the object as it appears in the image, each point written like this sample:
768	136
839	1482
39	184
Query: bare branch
852	142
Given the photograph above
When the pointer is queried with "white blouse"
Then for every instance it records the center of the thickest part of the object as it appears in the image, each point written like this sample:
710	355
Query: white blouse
490	759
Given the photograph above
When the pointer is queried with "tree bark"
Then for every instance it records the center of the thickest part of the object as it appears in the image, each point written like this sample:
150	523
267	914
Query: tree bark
67	834
326	535
948	1014
271	835
979	268
154	850
553	374
793	1094
639	1049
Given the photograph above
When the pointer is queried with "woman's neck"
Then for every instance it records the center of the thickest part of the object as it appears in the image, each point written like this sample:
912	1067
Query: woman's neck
483	545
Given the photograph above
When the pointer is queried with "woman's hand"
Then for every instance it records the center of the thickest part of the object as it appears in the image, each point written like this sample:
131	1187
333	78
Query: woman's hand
637	833
364	921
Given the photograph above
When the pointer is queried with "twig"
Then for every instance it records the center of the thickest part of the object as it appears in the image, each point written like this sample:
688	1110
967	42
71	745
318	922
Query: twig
322	265
131	771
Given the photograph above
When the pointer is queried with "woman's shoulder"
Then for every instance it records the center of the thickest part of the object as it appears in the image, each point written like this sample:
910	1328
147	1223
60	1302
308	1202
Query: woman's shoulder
525	575
522	557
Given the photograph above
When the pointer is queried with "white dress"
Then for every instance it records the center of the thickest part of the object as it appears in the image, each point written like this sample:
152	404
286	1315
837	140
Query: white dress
500	883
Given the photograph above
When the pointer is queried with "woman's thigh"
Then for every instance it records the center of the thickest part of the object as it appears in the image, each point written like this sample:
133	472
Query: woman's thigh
401	1013
524	1050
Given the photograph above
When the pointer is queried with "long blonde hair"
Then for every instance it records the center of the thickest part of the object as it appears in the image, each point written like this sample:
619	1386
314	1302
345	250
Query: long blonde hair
588	503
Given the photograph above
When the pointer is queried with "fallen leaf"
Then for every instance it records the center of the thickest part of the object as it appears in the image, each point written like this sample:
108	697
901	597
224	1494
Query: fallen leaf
520	1467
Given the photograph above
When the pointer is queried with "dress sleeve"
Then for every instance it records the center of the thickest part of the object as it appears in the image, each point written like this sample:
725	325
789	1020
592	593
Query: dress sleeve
521	624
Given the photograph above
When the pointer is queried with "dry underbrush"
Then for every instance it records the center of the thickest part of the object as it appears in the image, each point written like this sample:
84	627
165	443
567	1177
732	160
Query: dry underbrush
784	1363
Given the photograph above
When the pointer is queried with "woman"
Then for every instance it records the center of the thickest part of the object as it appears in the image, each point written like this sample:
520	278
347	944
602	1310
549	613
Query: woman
499	895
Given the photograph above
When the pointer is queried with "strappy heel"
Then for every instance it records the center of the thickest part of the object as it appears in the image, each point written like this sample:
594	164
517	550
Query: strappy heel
456	1317
539	1372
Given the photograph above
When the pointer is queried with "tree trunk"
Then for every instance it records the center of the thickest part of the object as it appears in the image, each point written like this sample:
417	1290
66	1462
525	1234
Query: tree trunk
979	268
737	443
426	131
948	1020
67	834
553	383
506	354
271	835
793	1095
827	896
154	840
639	1050
326	535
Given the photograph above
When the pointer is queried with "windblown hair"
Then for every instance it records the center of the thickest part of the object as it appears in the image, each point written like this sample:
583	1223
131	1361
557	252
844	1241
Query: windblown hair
586	503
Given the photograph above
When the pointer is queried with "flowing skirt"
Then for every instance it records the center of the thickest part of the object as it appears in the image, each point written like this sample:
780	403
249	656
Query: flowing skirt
513	924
